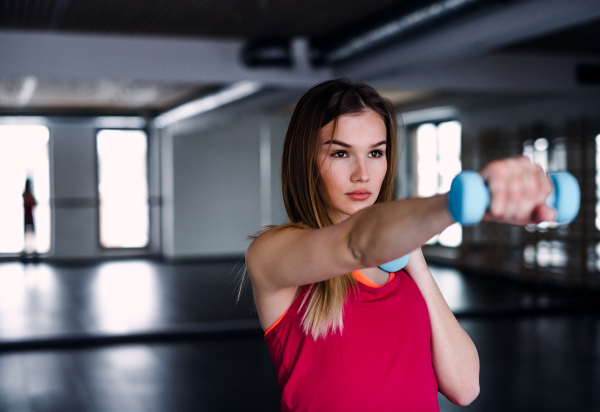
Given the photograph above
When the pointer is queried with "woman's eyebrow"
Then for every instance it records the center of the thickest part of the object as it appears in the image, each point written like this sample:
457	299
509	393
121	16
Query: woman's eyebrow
350	146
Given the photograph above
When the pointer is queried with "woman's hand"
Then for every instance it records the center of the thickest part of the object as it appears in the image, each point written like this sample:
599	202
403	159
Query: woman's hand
518	191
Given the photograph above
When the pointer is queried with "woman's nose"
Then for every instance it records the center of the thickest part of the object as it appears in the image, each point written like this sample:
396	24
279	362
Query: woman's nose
361	171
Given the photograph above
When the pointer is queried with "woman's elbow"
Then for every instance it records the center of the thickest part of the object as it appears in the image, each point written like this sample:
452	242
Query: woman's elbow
466	394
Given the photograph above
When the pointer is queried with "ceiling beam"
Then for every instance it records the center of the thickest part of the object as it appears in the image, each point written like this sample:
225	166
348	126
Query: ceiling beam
90	57
511	73
476	35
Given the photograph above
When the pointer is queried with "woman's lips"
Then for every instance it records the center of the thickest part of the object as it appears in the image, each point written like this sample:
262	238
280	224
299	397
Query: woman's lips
359	195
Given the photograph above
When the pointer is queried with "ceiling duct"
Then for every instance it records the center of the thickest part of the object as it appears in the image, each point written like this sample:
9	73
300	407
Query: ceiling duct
281	53
267	53
278	53
391	30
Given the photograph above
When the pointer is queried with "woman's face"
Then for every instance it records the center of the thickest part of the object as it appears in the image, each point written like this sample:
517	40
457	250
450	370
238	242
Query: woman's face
354	167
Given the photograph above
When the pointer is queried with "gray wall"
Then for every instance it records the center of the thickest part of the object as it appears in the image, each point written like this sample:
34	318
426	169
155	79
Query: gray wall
278	126
211	185
73	180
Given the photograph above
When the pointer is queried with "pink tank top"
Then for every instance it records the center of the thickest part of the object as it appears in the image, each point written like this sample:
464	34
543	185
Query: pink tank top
381	361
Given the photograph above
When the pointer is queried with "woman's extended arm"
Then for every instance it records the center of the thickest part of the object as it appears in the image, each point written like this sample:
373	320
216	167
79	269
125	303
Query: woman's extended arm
454	356
373	236
386	231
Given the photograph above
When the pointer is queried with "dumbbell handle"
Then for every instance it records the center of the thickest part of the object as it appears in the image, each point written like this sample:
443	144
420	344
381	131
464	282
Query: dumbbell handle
469	197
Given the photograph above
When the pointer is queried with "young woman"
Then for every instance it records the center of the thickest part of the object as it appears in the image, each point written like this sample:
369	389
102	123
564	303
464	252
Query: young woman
343	334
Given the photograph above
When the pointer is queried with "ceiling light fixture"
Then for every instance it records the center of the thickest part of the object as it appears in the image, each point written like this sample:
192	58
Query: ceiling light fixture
204	104
430	115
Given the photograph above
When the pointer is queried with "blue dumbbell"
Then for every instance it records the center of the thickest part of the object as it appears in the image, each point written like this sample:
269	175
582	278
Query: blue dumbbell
469	197
395	265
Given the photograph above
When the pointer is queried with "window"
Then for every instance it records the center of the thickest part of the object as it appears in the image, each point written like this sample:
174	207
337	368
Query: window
123	188
438	162
24	154
551	159
545	253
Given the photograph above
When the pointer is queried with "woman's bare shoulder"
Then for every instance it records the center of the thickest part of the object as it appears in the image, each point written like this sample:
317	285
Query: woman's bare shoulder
264	244
271	300
293	256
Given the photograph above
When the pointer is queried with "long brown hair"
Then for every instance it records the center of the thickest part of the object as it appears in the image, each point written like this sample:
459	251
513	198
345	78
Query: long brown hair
306	200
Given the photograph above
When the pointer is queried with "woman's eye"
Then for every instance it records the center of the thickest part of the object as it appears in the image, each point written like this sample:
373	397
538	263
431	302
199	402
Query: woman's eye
342	154
339	152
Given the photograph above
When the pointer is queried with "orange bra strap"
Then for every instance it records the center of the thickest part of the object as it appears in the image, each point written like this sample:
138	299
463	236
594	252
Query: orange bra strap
358	275
300	290
276	322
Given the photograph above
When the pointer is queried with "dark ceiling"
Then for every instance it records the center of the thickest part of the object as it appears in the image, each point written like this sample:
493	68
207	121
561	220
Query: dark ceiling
579	40
325	23
236	19
321	21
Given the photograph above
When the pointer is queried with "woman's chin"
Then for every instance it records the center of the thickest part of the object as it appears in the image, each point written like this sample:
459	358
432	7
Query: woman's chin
348	210
357	207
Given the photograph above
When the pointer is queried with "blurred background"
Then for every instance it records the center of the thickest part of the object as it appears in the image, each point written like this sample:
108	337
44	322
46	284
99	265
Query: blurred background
152	132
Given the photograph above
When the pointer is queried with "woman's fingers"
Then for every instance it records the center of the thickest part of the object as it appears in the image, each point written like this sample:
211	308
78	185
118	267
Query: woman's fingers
514	204
544	184
543	213
495	174
518	191
530	196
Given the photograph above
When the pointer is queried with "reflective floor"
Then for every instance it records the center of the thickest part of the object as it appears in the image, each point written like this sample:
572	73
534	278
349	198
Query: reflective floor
115	297
529	362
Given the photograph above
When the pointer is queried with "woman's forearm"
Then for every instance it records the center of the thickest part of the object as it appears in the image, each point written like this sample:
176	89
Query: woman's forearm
454	356
387	231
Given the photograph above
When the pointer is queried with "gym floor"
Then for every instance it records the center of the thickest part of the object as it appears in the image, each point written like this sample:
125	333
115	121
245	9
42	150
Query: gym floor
145	335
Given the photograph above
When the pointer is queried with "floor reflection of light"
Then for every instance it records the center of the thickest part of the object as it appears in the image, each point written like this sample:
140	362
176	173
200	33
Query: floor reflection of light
44	300
134	371
12	288
125	297
451	285
130	358
45	374
29	300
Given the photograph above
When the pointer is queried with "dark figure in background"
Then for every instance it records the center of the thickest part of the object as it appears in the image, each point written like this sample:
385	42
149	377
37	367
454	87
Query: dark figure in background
28	204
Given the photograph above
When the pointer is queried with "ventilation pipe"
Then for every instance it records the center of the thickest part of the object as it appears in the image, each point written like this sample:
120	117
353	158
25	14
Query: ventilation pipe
280	53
